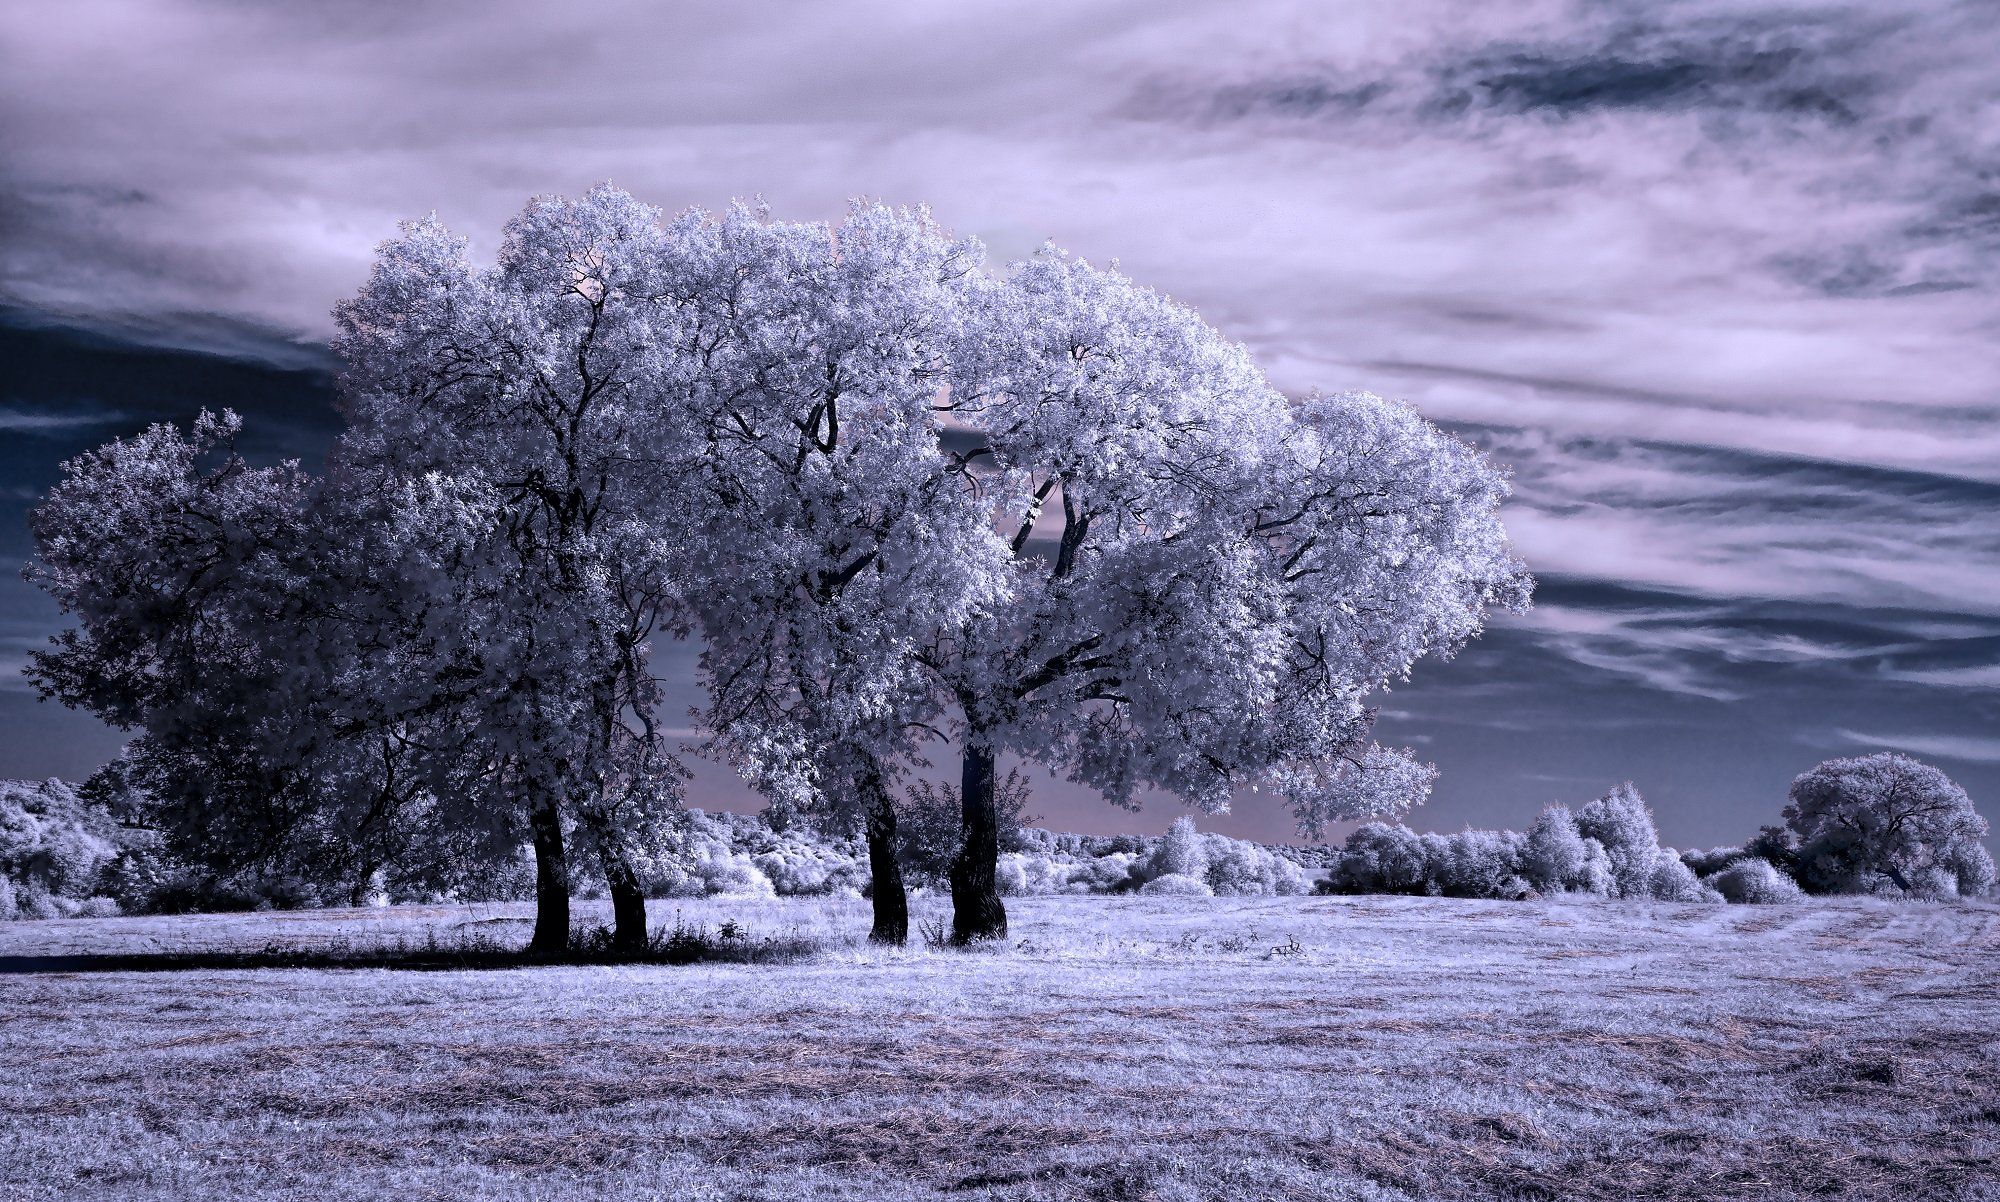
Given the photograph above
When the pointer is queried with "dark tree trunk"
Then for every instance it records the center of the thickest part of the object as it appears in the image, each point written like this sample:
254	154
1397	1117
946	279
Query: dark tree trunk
364	885
551	936
628	899
885	872
976	910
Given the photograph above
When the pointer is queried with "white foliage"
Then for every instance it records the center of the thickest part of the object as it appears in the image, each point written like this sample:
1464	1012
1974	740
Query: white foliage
1887	823
1620	823
1751	881
1180	852
1175	884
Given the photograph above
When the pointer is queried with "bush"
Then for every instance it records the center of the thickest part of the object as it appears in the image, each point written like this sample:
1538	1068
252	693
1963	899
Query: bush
1177	884
1623	826
98	907
1237	868
1180	852
1112	873
1674	881
1751	881
1555	856
1714	860
1382	858
1481	864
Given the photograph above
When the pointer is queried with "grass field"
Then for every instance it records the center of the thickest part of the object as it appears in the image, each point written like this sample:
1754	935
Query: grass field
1119	1048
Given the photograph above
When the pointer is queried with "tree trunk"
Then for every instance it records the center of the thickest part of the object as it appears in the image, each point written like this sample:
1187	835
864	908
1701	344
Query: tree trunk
551	936
976	910
628	899
885	873
367	884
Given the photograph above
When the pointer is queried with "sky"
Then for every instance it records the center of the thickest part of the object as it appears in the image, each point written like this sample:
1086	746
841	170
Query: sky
1717	280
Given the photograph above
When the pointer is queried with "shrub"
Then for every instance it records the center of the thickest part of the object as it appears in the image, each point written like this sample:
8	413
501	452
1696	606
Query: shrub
726	873
1238	868
1180	852
1554	857
1674	881
1480	864
1010	875
1102	874
1714	860
1623	826
1973	871
1751	881
1177	884
9	908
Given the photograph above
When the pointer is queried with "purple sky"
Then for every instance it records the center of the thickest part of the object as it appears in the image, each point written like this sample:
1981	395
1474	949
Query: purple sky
1717	279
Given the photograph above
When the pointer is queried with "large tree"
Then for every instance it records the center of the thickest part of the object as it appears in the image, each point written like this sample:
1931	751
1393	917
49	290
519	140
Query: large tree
1206	580
205	593
1887	819
504	432
836	530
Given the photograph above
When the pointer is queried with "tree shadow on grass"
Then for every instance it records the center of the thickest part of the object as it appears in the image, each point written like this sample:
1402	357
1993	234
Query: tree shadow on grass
678	945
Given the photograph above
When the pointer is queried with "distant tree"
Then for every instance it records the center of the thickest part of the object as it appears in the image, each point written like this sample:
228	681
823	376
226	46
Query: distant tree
1556	858
1620	822
1180	852
1887	819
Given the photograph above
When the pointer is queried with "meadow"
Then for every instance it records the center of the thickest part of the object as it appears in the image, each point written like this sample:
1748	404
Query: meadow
1116	1048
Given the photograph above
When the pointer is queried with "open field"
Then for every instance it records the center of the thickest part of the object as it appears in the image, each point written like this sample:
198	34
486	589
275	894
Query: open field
1120	1048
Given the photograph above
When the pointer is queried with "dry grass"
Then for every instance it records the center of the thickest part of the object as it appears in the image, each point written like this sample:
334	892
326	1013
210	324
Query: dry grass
1121	1049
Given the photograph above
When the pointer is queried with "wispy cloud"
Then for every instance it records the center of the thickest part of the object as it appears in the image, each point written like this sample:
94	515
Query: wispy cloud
24	421
1951	747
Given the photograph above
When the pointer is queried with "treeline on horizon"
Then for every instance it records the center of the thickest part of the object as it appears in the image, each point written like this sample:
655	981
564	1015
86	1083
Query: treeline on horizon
96	850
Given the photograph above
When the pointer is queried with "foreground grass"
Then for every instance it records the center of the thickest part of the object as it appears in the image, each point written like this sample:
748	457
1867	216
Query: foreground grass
1129	1048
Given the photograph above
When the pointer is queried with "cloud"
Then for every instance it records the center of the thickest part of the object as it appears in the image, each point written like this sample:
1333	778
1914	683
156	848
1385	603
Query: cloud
1717	277
21	421
1950	747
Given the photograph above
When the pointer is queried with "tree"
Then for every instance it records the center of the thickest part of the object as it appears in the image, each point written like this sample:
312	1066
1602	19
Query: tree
1886	819
182	566
223	616
1230	576
1556	857
507	437
836	527
1620	822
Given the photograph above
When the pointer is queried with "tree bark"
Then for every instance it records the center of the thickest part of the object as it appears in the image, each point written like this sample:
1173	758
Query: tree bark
551	937
885	872
628	899
976	909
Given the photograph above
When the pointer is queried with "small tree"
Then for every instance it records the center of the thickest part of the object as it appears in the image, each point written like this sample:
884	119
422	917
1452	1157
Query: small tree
1180	852
1620	822
1887	819
1556	857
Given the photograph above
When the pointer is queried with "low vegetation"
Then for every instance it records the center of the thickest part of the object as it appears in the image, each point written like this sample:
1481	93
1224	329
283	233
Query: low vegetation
1125	1047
